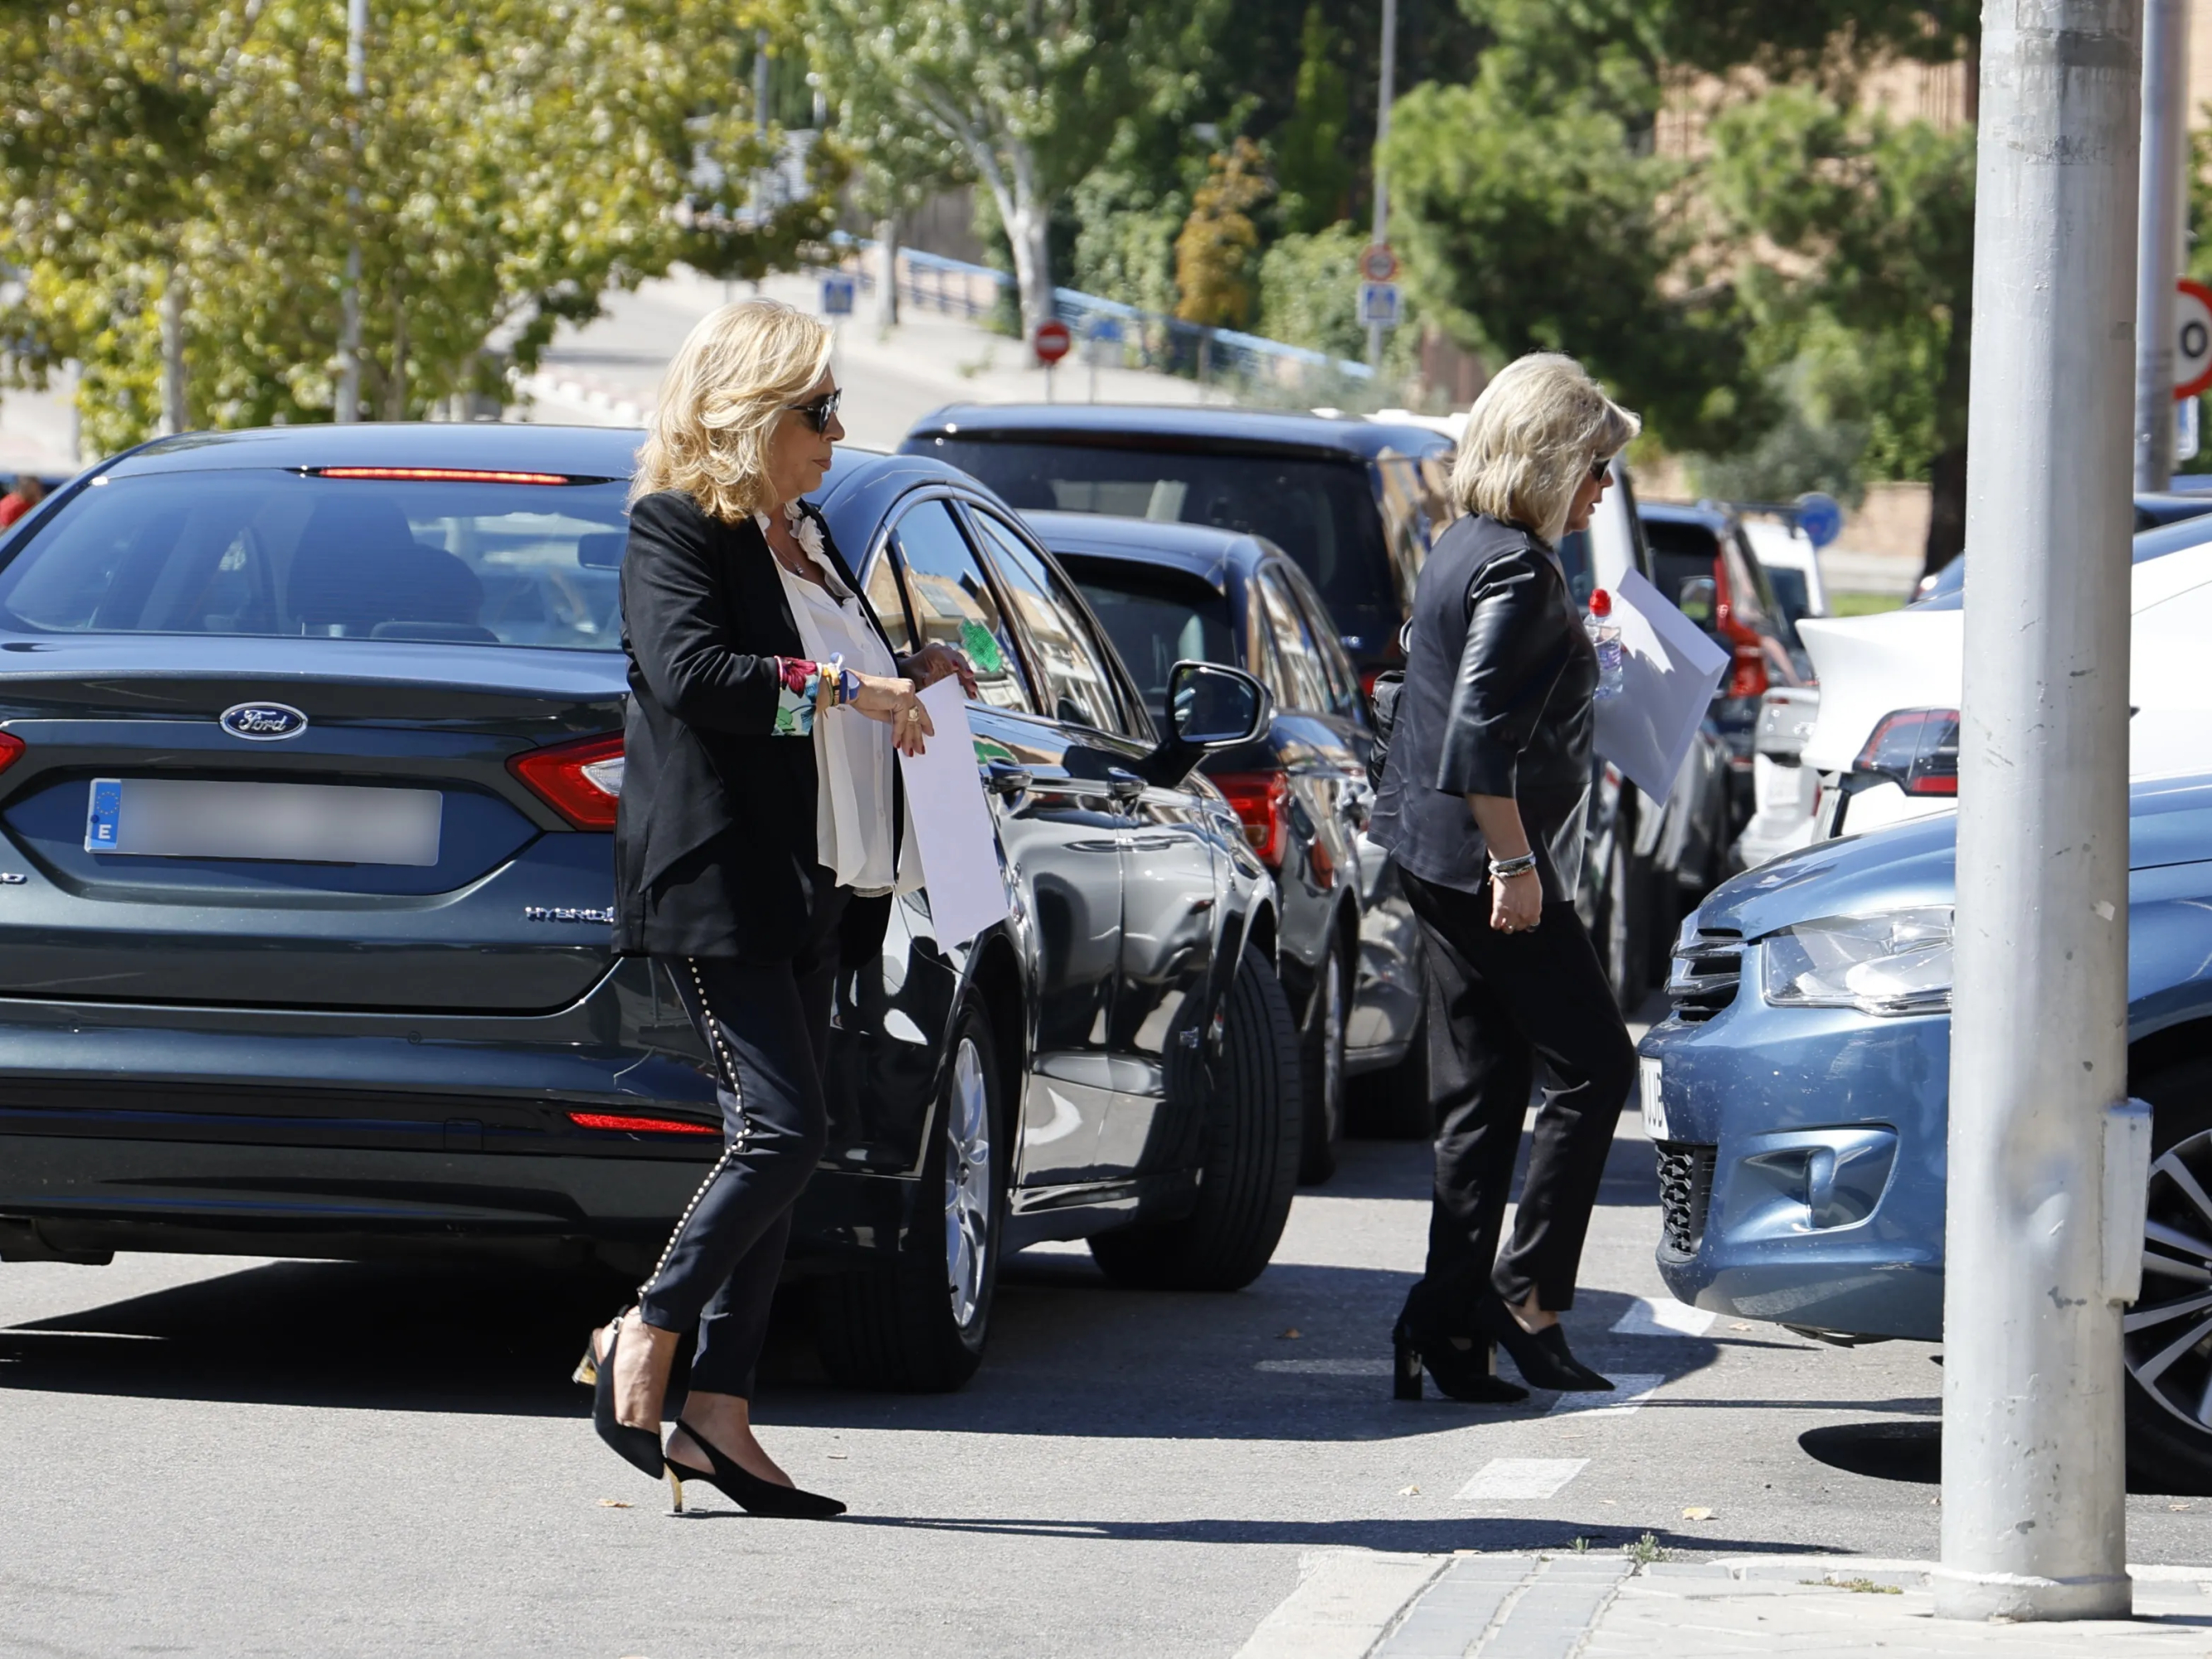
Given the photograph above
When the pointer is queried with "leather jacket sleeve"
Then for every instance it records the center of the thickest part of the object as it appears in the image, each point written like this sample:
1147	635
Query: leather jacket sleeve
1515	648
681	632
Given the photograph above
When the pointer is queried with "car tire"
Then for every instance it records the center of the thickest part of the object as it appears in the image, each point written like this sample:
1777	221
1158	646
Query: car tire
918	1325
1251	1153
1619	931
1321	1064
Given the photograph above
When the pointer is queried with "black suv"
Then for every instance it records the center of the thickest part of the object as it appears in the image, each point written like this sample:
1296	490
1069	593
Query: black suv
1355	502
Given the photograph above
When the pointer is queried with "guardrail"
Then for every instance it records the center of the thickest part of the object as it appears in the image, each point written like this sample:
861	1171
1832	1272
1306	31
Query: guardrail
1107	331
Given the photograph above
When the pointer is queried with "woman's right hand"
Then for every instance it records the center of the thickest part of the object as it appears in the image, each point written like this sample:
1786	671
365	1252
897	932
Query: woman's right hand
1516	902
894	702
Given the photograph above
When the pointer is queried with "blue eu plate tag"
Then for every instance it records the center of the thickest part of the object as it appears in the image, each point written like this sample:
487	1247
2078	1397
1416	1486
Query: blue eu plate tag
106	824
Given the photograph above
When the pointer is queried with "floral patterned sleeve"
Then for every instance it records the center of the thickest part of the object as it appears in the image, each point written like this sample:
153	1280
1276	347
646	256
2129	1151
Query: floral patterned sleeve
798	685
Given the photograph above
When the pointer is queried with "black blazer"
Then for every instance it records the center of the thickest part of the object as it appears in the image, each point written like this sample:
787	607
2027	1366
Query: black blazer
1500	678
714	845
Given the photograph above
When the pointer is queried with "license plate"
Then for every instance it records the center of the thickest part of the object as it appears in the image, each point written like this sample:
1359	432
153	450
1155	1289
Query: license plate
1654	1105
295	823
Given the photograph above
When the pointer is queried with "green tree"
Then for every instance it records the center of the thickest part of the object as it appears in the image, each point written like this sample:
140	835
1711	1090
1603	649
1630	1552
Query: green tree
1873	294
514	162
1025	99
1547	230
1310	290
1314	162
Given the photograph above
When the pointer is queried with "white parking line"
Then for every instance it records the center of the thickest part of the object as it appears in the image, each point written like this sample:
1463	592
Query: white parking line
1325	1367
1629	1394
1522	1477
1663	1316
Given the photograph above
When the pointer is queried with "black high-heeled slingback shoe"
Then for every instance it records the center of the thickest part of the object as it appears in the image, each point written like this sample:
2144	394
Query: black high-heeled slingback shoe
749	1491
639	1447
1542	1356
1464	1366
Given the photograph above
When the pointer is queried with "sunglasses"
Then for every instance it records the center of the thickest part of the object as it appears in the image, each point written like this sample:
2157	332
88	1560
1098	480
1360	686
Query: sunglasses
821	412
1599	467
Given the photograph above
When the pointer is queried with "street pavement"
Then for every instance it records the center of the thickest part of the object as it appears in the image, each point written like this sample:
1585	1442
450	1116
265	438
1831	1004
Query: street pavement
226	1457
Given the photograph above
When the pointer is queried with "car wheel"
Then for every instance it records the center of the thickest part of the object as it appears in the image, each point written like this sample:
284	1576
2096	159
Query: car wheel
2167	1343
1322	1062
1252	1113
918	1326
1620	931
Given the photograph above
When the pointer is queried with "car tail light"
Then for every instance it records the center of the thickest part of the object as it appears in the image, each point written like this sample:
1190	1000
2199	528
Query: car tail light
581	780
1262	800
623	1123
1748	677
11	750
1918	747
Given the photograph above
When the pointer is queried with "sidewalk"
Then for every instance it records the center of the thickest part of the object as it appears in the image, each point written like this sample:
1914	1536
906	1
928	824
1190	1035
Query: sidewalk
1365	1605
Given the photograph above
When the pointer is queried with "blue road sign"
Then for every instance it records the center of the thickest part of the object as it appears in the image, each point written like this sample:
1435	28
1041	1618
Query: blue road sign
1820	517
1379	303
837	294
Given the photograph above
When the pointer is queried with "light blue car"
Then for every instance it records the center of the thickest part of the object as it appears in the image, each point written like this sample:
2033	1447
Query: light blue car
1798	1095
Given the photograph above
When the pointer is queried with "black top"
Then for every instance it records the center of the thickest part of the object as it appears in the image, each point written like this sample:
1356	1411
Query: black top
1500	676
714	845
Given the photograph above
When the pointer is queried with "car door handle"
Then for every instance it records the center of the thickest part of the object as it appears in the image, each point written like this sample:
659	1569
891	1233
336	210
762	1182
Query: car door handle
1001	778
1124	785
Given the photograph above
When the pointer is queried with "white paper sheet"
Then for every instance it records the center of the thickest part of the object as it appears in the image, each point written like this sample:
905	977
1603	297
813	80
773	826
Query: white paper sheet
952	823
1671	670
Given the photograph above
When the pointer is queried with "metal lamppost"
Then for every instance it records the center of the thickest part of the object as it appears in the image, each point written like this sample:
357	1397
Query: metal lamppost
2033	1454
1384	94
2163	208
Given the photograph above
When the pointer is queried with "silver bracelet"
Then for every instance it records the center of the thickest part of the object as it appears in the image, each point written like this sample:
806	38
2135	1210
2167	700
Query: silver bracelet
1501	868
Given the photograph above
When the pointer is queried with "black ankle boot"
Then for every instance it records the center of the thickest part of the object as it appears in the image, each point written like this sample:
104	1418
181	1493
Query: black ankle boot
1465	1365
1542	1357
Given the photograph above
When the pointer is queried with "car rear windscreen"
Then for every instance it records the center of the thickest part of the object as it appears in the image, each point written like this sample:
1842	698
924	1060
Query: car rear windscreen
1156	620
272	552
1322	514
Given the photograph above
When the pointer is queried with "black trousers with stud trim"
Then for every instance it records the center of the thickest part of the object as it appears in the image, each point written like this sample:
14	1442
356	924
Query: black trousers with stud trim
766	1024
1498	1003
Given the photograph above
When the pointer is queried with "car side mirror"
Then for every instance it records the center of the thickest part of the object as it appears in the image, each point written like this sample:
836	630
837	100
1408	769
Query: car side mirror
1209	706
1695	599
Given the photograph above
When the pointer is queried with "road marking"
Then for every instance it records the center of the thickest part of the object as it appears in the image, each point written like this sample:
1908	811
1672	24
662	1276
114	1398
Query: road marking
1629	1394
1663	1316
1325	1367
1522	1477
1345	1599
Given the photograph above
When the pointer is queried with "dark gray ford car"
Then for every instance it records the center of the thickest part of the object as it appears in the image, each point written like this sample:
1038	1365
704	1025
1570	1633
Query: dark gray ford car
310	746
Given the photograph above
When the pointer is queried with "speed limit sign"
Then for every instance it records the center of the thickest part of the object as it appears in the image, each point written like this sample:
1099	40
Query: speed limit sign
2192	339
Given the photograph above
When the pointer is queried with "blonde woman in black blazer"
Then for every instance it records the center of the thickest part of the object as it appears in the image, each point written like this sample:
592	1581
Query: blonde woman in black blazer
759	843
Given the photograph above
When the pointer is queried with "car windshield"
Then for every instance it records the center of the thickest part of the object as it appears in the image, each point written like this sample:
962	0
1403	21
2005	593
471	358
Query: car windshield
1322	514
1156	618
255	551
1789	593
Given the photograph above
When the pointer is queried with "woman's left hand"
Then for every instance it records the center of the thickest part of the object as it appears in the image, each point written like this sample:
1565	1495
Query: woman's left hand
933	662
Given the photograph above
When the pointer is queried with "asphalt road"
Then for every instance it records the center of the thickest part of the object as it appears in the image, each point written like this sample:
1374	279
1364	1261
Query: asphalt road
209	1456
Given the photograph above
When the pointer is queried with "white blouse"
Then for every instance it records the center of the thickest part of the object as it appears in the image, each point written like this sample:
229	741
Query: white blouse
854	755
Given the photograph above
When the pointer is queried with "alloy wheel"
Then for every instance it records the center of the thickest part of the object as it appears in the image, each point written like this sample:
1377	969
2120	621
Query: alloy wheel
2168	1332
967	1183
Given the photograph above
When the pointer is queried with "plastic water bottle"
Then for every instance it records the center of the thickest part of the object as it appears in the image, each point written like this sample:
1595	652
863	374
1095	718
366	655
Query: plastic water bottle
1604	634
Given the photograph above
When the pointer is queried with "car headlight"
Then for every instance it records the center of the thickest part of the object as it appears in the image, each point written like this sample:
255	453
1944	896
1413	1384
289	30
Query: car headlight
1896	963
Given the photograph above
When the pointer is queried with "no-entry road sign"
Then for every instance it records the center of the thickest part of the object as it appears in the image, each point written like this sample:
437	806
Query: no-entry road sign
1052	341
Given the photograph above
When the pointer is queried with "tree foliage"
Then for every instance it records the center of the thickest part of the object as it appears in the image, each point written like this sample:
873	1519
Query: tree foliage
508	164
1023	98
1218	254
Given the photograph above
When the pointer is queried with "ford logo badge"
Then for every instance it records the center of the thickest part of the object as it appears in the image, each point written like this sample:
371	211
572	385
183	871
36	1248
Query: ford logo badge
262	722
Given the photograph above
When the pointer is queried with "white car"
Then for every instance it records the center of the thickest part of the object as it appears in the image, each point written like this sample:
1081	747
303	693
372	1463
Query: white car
1793	566
1885	743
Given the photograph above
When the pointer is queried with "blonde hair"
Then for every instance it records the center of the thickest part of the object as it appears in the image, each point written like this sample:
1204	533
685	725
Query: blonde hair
1531	436
727	386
